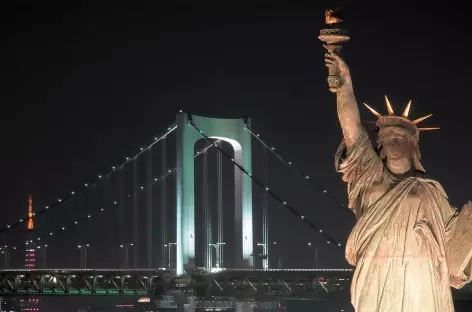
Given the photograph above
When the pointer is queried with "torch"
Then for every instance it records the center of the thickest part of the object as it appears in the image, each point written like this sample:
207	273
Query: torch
334	37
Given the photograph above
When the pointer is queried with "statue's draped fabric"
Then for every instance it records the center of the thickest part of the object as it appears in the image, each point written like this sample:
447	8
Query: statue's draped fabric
397	244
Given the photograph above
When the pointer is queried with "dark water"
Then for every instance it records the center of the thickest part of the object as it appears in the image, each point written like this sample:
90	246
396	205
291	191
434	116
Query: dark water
128	304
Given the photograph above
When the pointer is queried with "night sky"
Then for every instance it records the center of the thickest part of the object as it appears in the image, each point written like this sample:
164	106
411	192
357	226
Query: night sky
84	85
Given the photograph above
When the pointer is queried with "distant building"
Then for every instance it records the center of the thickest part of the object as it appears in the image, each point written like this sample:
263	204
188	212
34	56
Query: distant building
30	304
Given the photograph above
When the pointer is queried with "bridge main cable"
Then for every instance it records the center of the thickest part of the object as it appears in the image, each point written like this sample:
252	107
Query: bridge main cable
329	238
298	172
93	182
88	216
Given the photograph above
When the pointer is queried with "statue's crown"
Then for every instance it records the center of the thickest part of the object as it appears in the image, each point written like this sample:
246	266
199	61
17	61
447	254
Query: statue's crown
399	121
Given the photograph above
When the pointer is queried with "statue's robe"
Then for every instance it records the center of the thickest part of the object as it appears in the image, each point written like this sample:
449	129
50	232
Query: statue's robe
397	244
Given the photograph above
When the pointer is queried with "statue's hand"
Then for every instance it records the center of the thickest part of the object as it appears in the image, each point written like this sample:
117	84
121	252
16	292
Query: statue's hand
334	61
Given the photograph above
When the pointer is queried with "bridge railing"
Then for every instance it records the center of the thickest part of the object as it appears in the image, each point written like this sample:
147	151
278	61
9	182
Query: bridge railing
154	282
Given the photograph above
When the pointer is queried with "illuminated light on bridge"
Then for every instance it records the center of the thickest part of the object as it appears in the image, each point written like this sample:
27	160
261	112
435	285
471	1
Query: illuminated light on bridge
233	132
243	133
254	284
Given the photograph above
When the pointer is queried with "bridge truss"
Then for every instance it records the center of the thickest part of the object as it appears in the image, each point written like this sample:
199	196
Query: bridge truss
276	283
224	289
101	282
237	284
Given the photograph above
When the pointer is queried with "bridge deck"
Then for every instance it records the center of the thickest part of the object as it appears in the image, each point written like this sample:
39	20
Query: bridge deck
140	282
227	283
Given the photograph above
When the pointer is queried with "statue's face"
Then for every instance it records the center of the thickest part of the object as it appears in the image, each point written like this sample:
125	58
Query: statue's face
397	143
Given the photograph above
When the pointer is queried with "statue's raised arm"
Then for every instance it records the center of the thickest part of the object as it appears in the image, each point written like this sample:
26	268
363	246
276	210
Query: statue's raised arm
348	110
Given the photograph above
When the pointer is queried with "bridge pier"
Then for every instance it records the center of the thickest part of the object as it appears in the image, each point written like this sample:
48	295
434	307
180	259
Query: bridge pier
190	306
245	307
232	131
184	304
180	301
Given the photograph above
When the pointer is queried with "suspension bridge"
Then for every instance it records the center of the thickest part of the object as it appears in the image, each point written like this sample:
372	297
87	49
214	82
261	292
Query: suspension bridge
188	212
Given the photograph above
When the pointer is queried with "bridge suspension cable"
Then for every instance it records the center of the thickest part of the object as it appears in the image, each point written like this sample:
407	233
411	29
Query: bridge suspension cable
85	186
88	216
329	238
305	177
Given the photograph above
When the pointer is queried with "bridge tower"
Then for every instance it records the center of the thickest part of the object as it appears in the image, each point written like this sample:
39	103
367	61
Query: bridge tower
232	131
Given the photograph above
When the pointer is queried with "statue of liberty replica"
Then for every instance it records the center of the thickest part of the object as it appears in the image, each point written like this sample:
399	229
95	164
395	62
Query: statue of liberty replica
409	245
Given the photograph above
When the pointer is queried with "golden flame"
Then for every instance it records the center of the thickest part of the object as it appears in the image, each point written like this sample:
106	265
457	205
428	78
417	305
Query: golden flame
331	19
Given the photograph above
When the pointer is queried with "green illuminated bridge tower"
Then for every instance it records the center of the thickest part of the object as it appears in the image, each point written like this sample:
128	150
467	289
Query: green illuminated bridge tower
232	131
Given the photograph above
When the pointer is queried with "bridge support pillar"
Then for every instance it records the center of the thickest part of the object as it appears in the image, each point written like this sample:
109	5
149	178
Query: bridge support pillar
232	131
190	306
245	307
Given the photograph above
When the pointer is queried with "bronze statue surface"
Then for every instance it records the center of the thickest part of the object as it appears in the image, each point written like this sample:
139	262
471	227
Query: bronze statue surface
399	244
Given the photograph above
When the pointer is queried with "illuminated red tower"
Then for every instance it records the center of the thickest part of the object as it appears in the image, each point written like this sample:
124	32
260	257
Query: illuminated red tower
30	304
30	256
30	213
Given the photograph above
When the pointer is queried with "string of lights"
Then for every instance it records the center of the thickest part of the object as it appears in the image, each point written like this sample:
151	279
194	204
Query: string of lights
92	183
88	216
329	238
305	177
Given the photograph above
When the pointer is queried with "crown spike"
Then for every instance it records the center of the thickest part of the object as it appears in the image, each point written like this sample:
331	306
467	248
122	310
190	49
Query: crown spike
417	121
427	129
389	107
407	110
373	110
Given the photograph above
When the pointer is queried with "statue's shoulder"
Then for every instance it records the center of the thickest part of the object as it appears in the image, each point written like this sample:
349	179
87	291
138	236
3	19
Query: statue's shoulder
429	182
423	176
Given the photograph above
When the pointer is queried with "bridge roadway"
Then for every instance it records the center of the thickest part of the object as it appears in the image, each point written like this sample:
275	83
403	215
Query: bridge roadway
272	284
236	283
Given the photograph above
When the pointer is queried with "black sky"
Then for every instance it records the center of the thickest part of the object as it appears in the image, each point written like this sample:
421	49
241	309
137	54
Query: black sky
85	84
